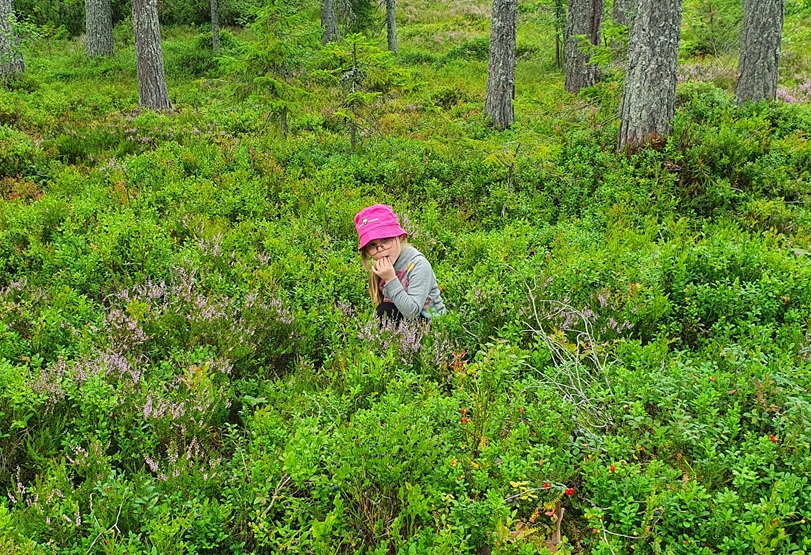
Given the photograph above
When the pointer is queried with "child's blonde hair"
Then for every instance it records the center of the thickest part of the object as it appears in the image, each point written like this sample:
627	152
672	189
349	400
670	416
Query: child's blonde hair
374	280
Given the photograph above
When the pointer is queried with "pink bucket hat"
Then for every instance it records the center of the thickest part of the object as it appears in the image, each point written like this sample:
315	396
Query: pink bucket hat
377	222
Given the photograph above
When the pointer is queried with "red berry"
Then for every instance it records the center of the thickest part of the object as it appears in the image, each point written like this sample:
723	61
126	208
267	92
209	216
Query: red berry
545	485
611	468
772	438
569	491
465	420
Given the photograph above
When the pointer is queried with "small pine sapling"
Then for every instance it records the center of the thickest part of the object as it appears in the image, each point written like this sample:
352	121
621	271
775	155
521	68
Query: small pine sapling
266	68
366	73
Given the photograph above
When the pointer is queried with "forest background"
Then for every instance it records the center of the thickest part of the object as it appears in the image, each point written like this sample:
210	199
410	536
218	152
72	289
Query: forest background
188	357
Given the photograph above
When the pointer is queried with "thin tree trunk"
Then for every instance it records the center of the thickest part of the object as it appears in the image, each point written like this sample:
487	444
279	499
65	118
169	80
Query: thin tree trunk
760	50
560	24
353	127
391	25
99	28
329	22
649	96
353	135
11	57
152	91
501	67
215	27
585	17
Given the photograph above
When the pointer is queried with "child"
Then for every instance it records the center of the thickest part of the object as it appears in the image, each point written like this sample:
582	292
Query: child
401	281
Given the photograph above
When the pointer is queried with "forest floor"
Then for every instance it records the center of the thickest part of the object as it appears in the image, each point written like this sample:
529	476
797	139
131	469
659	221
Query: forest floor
189	361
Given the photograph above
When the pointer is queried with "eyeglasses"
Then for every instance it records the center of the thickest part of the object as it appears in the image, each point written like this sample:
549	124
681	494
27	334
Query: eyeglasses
381	245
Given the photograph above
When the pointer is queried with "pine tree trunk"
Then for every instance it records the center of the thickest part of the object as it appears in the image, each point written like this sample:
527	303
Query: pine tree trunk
760	50
215	27
623	12
283	123
391	25
11	58
560	25
99	28
152	91
501	67
353	135
649	97
329	22
585	17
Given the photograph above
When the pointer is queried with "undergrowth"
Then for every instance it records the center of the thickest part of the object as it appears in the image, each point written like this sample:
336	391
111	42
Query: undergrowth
189	361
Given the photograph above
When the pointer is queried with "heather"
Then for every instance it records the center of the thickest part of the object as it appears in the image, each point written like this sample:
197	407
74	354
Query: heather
189	361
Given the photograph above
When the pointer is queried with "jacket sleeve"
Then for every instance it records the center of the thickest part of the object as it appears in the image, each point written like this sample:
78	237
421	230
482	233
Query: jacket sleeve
420	280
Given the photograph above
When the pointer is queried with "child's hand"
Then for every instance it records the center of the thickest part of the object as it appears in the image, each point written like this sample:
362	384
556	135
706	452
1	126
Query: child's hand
384	269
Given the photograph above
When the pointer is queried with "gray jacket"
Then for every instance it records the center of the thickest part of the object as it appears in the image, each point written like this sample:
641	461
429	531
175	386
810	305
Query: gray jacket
415	292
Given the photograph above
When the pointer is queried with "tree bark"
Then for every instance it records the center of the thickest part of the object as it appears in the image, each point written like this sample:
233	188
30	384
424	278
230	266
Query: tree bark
760	50
623	12
11	57
649	96
584	18
501	67
99	28
560	25
329	22
152	91
215	27
391	25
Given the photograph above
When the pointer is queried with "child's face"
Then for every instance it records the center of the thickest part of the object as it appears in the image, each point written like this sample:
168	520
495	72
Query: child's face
381	248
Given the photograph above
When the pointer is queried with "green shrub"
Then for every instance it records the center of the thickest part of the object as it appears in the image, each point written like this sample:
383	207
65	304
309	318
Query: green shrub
414	58
10	110
197	59
16	153
757	150
474	50
189	360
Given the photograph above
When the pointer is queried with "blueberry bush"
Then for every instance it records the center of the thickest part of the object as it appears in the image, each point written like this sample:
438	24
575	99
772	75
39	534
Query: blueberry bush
189	360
